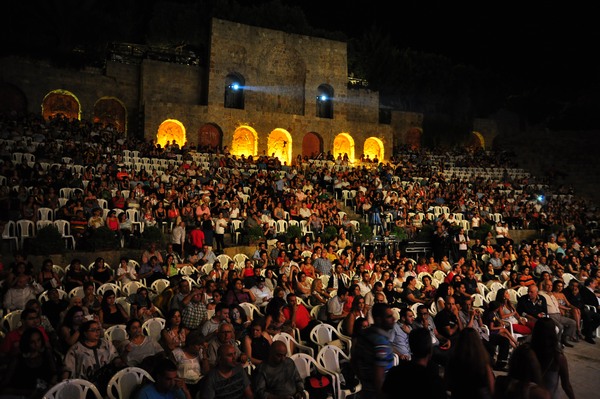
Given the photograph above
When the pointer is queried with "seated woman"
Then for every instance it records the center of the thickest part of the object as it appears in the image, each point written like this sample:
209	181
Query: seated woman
509	313
302	286
111	313
32	371
356	312
275	321
90	353
192	362
138	346
492	319
412	294
141	306
174	334
257	342
239	321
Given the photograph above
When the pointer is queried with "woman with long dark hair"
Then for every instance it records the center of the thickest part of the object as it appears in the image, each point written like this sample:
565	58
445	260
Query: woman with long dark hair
553	361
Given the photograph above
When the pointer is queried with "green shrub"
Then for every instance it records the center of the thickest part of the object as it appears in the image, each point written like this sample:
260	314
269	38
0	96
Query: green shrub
153	234
293	232
328	233
103	238
47	241
364	233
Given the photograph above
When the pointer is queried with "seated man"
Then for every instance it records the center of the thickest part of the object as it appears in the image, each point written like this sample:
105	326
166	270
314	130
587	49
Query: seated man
447	321
228	379
225	335
166	383
262	293
278	377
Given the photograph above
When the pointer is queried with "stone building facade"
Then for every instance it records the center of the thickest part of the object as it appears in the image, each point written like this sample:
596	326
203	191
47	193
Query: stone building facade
293	97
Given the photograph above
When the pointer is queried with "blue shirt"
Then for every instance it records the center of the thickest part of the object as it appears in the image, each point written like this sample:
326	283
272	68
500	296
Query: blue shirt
149	391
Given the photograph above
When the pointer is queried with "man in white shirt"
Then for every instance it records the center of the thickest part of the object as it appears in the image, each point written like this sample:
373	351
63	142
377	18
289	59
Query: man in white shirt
566	325
178	236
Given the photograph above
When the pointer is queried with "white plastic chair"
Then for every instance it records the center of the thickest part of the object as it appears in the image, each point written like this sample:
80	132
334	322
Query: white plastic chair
72	388
77	291
12	320
25	229
239	259
152	327
251	310
125	381
224	260
187	270
43	297
329	358
109	286
158	286
292	345
323	334
132	287
64	228
10	233
116	332
46	213
522	291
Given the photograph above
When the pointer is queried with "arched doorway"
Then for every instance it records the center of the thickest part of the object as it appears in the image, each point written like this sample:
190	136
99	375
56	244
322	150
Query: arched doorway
61	103
343	144
312	145
12	99
245	142
280	145
477	140
374	148
172	131
209	137
413	138
110	111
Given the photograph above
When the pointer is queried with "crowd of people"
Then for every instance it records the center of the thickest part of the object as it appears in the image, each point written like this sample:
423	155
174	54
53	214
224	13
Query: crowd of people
426	315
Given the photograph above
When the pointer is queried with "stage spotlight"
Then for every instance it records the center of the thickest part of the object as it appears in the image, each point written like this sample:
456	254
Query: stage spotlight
234	86
322	97
540	198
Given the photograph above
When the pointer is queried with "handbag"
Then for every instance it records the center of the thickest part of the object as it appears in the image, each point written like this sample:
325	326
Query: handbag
318	385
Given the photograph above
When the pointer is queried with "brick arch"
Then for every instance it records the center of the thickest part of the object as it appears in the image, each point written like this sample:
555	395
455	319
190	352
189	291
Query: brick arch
477	140
245	141
12	99
374	148
61	103
312	145
210	137
344	144
279	145
169	130
110	111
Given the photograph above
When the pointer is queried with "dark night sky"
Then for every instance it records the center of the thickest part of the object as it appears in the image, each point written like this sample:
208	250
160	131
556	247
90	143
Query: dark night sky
530	39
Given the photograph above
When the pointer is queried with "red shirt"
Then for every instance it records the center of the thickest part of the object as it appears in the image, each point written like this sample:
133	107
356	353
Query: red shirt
197	238
302	316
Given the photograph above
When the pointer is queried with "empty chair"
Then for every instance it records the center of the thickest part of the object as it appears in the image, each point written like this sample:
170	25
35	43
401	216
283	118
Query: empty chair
25	230
46	213
292	345
330	358
108	286
324	334
64	228
10	233
131	287
158	286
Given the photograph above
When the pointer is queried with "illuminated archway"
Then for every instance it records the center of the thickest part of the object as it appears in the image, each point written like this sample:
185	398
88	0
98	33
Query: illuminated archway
344	144
110	111
171	130
312	145
374	148
61	103
413	138
477	140
280	146
245	142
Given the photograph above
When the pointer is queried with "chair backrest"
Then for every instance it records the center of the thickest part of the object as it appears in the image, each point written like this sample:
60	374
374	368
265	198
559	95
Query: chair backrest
223	260
25	228
159	285
109	286
478	300
305	364
251	310
522	291
77	291
12	320
328	358
322	334
152	327
495	286
43	297
73	388
125	381
45	213
131	287
116	333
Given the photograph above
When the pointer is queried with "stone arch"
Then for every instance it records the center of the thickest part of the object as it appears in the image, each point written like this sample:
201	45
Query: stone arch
12	99
110	111
477	139
234	91
312	145
245	142
61	103
344	144
210	137
374	148
413	138
171	130
279	145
